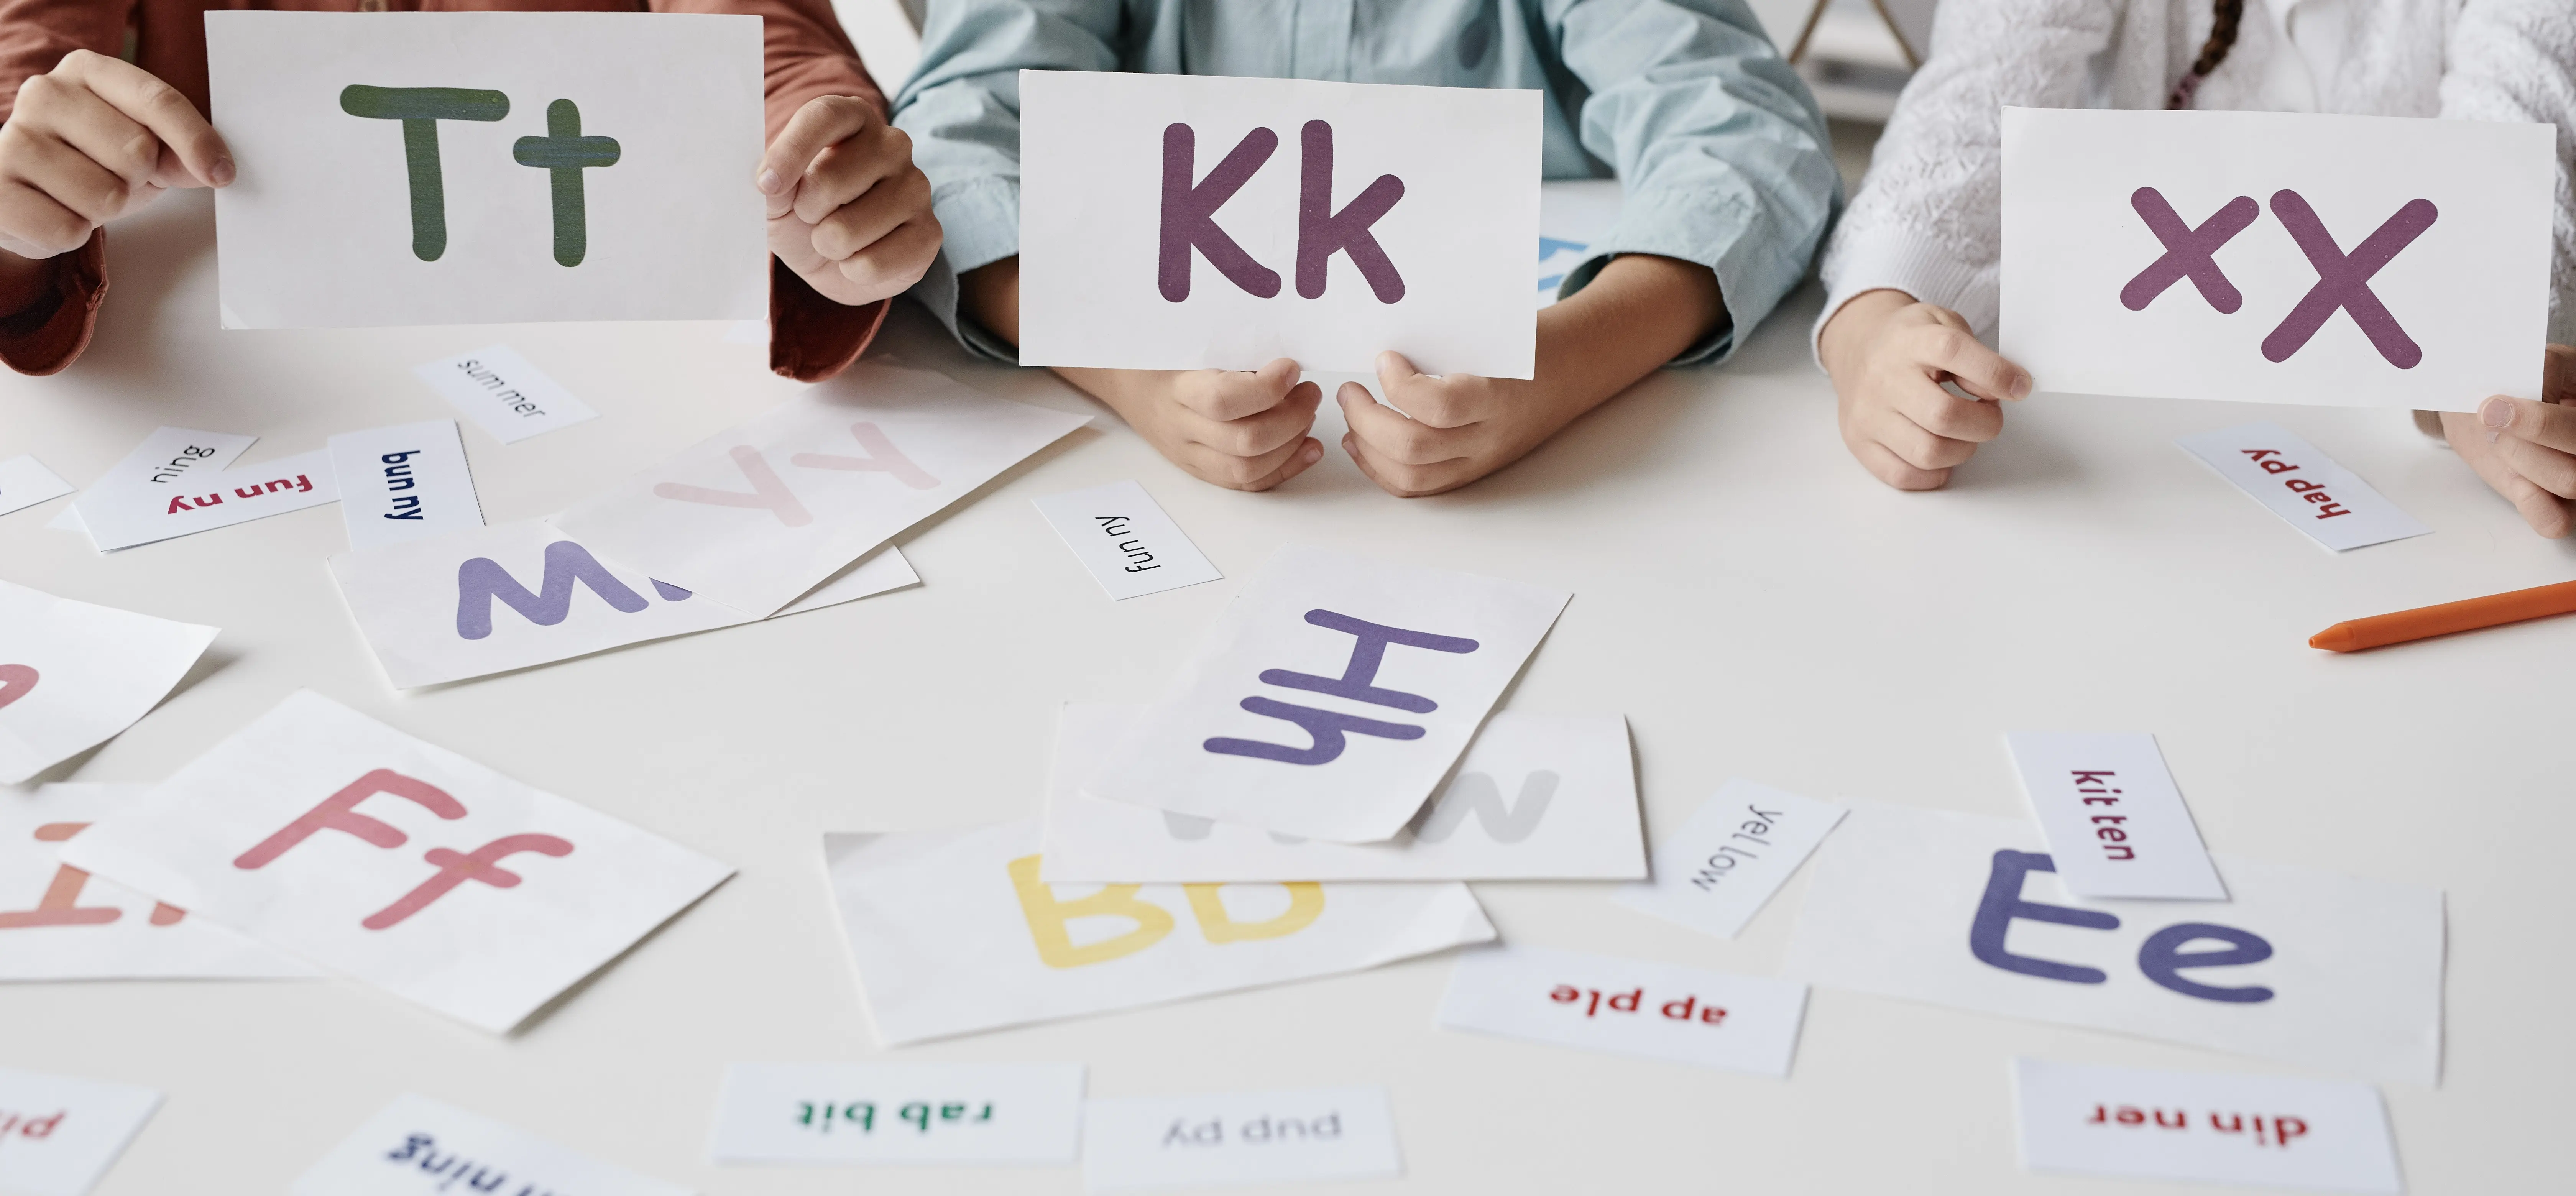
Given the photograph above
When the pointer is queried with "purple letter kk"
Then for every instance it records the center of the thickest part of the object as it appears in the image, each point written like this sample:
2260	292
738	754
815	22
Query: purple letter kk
1322	232
1189	212
1330	728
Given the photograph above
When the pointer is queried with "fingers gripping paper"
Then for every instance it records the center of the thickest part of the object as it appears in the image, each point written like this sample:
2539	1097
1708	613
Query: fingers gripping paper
953	932
1332	696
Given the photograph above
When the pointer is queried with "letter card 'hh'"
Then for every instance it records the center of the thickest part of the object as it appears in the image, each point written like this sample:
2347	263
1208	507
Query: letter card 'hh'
2275	257
1200	222
485	168
354	846
1331	697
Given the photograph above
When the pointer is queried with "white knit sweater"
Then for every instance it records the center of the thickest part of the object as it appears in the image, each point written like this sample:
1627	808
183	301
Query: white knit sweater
1926	220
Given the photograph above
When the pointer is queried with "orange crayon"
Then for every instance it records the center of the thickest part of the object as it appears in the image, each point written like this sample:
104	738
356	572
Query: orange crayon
2468	614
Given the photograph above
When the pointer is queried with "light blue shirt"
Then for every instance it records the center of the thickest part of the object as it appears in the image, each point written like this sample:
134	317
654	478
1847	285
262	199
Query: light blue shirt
1719	149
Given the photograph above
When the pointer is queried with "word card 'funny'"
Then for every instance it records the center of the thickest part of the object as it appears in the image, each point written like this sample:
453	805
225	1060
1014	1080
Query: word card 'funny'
72	674
1123	538
1627	1007
1536	797
1004	1114
354	846
403	483
166	463
1726	862
953	932
119	517
2302	485
2115	820
487	168
2204	1127
2325	971
59	1134
2277	257
1332	696
1140	1143
421	1147
1177	222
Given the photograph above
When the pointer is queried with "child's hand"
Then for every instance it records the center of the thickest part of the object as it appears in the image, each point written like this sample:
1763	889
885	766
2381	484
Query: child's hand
1888	356
1244	431
1462	426
91	140
848	211
2527	450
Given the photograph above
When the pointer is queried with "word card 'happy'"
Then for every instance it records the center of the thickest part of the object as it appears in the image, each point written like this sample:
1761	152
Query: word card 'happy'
72	674
1627	1007
1332	696
487	168
1181	222
350	844
1137	1143
421	1147
1725	863
403	483
1123	538
2325	971
60	1134
1536	797
953	932
2205	1127
1010	1114
2115	820
2302	485
2276	257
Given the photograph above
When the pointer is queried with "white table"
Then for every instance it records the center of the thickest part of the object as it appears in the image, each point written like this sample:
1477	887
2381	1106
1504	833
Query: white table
1752	601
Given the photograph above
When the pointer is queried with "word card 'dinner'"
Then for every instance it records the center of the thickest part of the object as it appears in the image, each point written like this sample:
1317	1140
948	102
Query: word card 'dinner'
485	168
1197	222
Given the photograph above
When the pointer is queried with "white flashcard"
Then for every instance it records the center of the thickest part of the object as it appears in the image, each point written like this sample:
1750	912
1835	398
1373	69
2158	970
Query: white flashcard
1573	216
487	168
953	932
2325	971
24	482
421	1147
1319	651
1627	1007
59	1135
2302	486
2204	1127
168	461
1139	1143
407	482
1010	1114
1536	797
759	513
123	518
1724	864
60	923
306	830
2115	821
1162	218
72	675
519	594
2276	257
503	394
1123	537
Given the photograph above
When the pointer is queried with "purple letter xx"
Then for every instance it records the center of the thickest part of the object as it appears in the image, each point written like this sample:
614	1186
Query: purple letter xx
1189	212
2344	282
2188	251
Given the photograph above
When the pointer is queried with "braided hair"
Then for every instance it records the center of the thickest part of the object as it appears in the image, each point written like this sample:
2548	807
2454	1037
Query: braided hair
2224	16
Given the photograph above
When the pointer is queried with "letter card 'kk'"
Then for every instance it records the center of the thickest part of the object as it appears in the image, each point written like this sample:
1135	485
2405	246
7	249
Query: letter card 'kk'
1200	222
474	168
336	838
1331	697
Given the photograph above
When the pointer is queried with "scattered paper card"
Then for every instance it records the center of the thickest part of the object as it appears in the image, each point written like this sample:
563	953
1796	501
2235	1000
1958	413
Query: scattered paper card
1370	635
1138	1143
1573	216
996	1113
2115	820
72	675
1159	218
264	834
404	483
503	394
1722	867
59	1135
1123	537
2325	971
2204	1127
487	168
2277	257
953	932
60	923
1536	797
2302	486
830	474
168	461
420	1147
1627	1007
24	482
122	518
